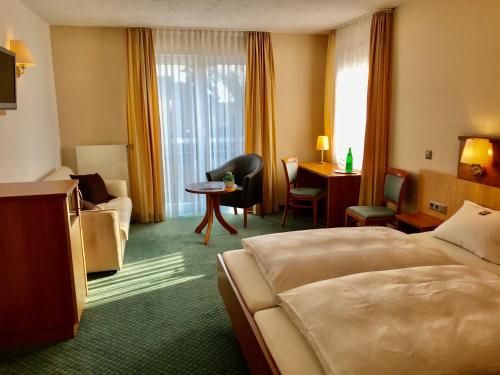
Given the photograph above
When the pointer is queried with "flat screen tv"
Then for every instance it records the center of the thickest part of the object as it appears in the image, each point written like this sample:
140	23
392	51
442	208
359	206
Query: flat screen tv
8	98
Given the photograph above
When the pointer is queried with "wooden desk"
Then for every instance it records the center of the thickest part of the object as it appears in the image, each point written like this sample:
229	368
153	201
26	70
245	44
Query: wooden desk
342	189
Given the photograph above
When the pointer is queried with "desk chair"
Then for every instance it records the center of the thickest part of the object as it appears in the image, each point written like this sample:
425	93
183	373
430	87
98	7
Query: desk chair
394	189
295	195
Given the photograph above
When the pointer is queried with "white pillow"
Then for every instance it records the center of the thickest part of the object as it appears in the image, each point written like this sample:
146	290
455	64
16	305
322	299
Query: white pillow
475	228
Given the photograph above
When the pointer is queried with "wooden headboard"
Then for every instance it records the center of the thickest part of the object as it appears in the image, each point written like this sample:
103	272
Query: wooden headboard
452	191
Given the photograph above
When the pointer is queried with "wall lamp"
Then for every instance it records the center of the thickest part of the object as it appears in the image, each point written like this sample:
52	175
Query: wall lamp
476	153
23	56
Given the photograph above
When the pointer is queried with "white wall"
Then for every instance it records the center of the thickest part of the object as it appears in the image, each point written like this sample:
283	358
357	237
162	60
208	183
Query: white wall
29	137
93	103
446	81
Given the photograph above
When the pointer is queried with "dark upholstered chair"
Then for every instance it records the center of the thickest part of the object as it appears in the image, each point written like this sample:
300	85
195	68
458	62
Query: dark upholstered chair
394	189
248	175
295	195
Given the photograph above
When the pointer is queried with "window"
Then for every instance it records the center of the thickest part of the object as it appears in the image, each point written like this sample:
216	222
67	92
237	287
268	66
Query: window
201	83
351	87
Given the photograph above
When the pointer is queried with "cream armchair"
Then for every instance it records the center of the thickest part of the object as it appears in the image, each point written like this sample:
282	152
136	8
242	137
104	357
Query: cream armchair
105	231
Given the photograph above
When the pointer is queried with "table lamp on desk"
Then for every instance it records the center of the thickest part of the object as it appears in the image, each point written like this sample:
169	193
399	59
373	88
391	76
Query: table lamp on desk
322	144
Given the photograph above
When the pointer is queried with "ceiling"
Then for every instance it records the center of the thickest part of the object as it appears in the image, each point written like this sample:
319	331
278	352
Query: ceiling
288	16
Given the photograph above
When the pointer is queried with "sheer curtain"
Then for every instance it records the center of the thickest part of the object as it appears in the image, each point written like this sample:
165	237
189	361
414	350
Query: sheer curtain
201	84
351	85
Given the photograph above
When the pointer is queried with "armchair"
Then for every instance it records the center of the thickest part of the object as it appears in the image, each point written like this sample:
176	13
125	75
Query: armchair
248	174
105	231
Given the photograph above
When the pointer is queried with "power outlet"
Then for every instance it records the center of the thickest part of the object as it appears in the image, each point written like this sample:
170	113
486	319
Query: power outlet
439	207
428	154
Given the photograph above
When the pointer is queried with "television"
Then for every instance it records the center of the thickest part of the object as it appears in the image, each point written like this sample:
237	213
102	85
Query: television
8	97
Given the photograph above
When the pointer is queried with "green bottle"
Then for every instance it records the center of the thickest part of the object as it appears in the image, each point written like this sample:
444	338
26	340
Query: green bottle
348	161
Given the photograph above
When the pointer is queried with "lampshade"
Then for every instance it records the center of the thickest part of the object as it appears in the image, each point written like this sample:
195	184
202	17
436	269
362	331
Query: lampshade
322	143
23	55
476	151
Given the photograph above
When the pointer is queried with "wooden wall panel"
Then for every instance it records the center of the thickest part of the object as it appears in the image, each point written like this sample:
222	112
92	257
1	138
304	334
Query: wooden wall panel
452	191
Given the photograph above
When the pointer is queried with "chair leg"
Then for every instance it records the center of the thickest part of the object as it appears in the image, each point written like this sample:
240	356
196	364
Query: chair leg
325	213
294	211
346	223
283	220
315	213
235	210
245	213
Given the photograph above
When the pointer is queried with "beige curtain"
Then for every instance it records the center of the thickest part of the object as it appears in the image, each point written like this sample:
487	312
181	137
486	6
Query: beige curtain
377	113
143	117
260	135
329	105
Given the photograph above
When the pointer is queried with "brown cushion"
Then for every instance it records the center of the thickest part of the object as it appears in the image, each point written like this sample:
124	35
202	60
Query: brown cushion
92	187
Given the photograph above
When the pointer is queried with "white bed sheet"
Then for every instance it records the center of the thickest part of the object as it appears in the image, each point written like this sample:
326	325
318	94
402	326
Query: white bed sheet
289	348
252	285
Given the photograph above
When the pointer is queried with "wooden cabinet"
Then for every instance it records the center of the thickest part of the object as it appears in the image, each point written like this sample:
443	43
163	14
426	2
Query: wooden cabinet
43	282
416	222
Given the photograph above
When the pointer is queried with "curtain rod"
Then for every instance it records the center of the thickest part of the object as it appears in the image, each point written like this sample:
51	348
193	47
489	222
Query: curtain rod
201	28
250	30
361	17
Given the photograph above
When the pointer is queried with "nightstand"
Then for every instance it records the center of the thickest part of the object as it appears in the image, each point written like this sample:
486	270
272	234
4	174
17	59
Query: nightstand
417	222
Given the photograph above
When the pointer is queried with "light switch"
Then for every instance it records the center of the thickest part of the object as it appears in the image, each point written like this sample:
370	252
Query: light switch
428	154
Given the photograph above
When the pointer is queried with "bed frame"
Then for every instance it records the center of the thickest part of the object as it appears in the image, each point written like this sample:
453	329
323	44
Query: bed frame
256	353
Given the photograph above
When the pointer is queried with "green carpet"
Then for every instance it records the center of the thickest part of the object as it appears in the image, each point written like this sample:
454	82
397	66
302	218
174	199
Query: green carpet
162	314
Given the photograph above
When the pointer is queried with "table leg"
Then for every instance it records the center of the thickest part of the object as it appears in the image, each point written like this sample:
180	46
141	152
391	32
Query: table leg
218	215
210	211
204	222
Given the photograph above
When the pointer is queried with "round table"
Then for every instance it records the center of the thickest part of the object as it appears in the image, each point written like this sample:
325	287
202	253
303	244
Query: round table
213	191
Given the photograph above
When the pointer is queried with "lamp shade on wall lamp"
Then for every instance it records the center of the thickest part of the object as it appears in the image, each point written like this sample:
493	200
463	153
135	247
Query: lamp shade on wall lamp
24	58
476	153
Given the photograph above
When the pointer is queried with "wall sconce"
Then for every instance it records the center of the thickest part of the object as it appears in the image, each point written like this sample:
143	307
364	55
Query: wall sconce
322	145
476	153
23	56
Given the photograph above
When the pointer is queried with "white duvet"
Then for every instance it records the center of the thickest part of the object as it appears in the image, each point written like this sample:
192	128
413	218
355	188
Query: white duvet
291	259
422	320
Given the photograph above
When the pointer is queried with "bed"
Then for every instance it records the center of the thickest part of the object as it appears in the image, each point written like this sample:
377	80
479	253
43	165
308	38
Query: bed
270	339
247	294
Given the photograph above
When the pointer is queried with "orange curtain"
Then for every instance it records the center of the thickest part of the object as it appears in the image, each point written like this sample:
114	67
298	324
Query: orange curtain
143	117
329	104
377	111
260	134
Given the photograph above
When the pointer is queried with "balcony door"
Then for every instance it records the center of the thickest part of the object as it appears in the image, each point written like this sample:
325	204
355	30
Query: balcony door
201	83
